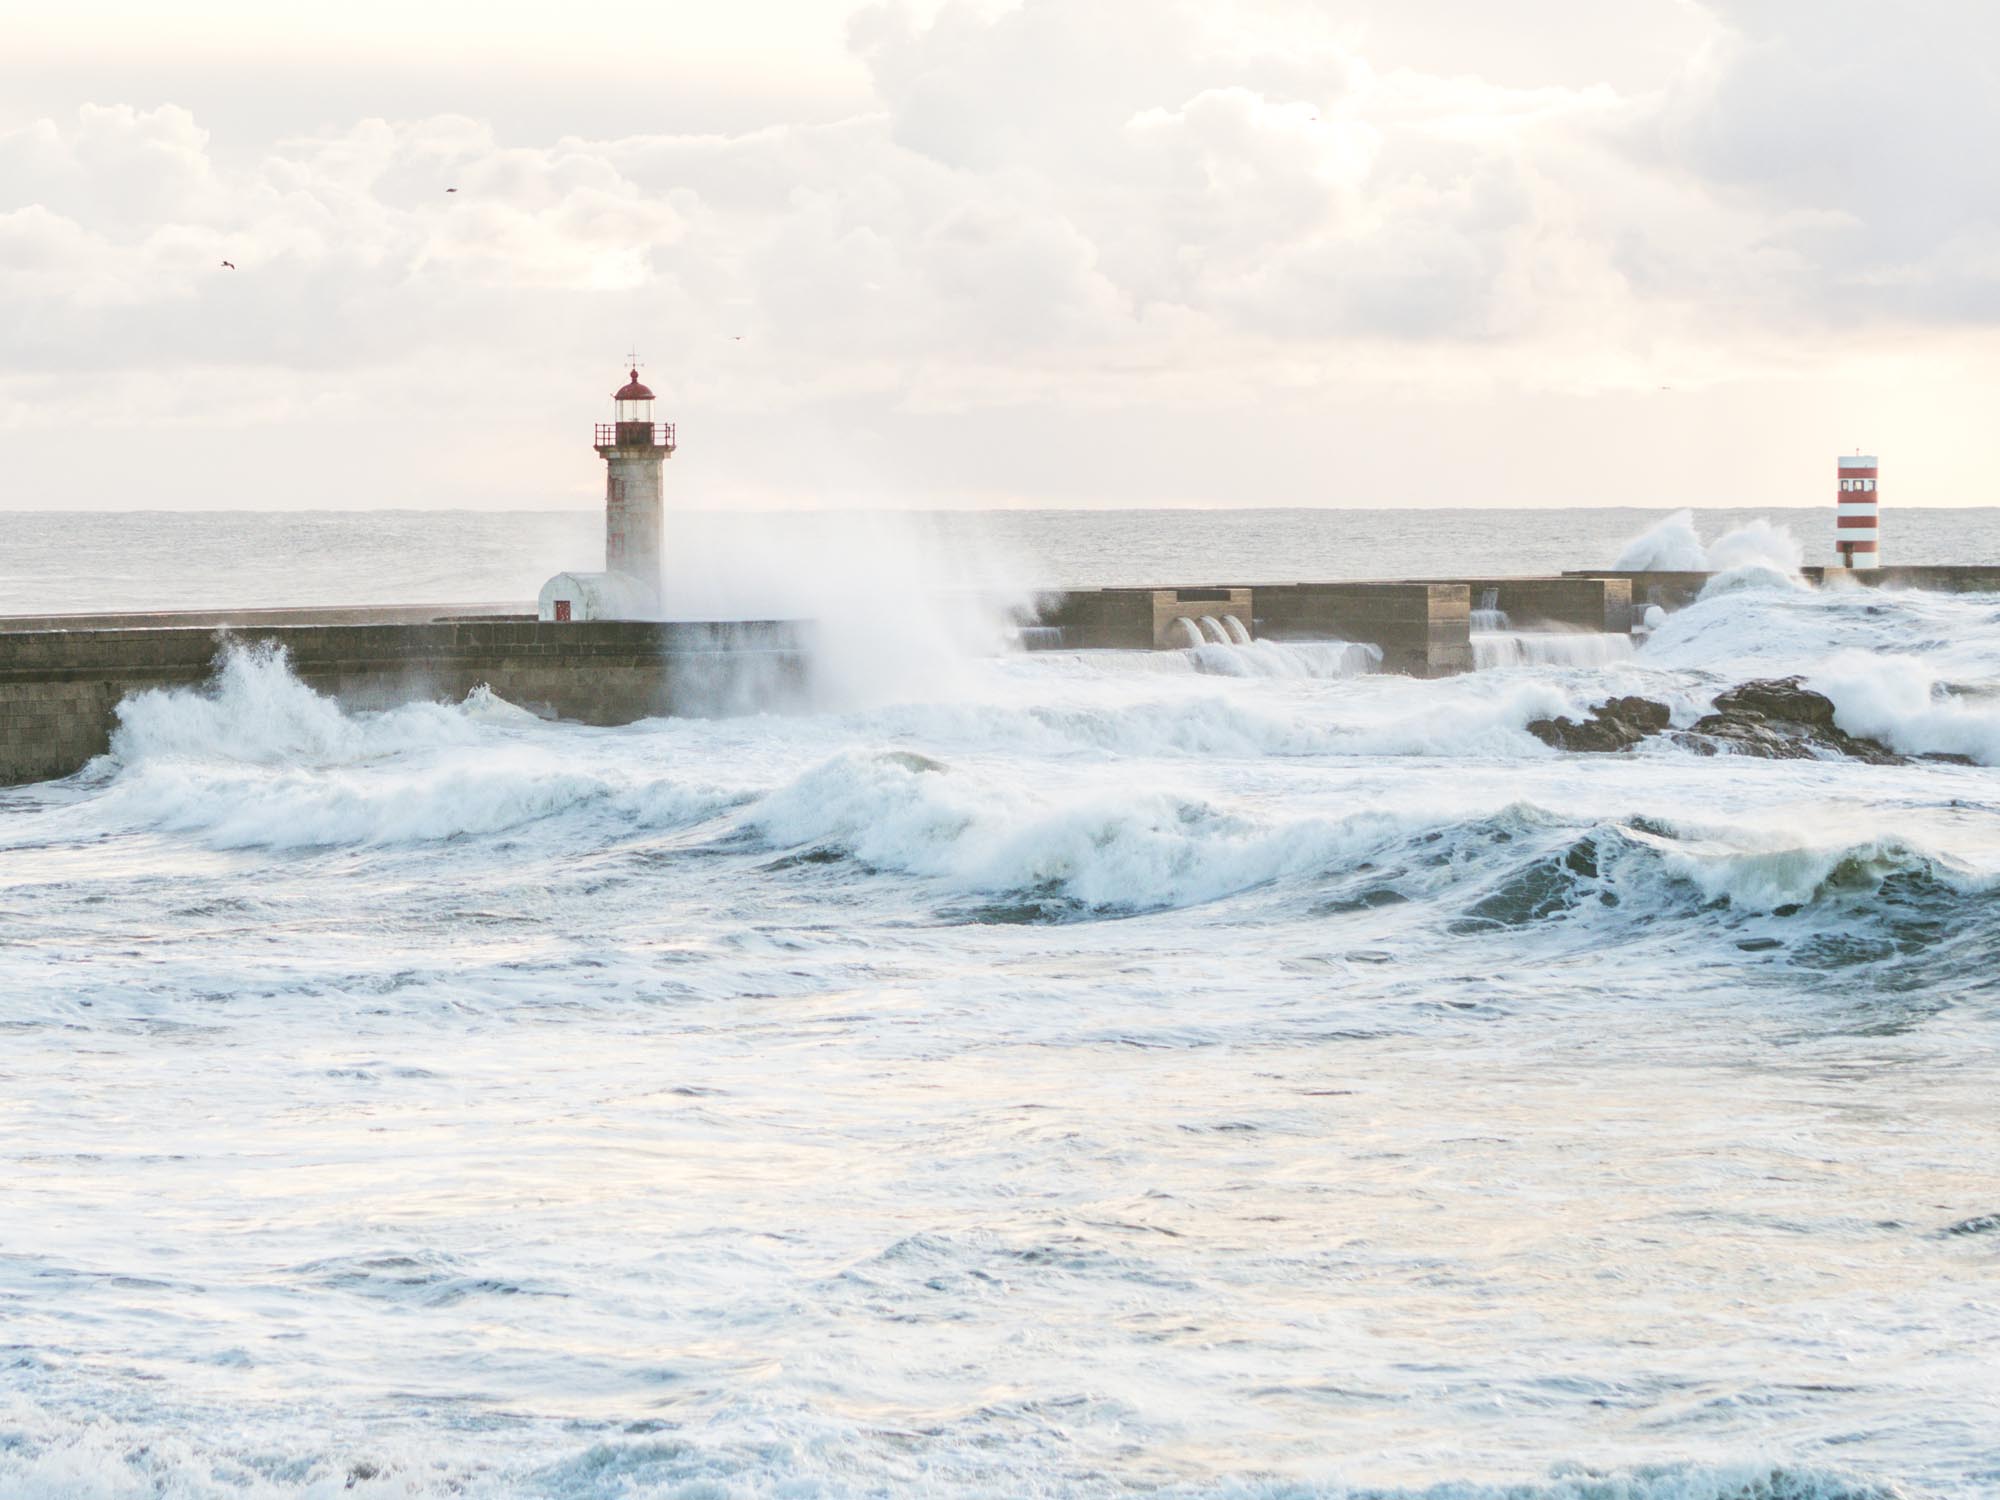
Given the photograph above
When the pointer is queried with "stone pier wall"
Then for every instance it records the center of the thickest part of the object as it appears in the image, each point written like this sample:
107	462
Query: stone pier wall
1424	629
1134	619
1676	590
59	689
1596	604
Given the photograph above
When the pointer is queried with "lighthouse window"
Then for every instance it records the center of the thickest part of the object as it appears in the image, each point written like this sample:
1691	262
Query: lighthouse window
1846	484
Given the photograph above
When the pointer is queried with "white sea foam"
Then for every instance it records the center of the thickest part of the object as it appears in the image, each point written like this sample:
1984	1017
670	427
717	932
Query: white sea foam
1299	659
1097	1075
1548	648
1762	870
234	808
1113	848
1108	848
1750	575
107	1462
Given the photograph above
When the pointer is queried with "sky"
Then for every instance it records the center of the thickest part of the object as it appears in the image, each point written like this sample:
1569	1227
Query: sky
974	253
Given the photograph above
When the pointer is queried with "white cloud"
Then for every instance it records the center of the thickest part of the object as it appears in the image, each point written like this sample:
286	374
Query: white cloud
1139	205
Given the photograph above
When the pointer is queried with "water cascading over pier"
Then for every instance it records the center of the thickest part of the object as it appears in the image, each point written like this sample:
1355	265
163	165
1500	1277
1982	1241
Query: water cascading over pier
1496	643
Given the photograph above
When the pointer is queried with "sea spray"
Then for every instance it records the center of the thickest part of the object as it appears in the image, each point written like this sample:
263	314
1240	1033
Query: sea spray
1756	550
1670	546
897	603
1898	700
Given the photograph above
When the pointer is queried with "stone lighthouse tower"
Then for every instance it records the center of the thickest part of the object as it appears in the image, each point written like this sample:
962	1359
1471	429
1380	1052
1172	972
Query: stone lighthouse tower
635	450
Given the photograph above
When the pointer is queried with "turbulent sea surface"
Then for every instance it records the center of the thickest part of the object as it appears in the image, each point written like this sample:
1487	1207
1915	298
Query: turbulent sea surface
1203	1074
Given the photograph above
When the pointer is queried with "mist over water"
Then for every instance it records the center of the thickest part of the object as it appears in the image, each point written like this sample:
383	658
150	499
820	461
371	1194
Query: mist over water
1227	1072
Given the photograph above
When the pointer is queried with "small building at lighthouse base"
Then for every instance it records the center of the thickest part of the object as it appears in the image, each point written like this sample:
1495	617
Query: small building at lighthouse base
595	596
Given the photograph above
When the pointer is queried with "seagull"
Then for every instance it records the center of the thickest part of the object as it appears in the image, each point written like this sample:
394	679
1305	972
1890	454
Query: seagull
229	265
451	190
737	337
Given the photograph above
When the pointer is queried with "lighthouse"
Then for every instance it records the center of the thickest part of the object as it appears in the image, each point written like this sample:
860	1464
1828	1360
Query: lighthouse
1857	530
635	450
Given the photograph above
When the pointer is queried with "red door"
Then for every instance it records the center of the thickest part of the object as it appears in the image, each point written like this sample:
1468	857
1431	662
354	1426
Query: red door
562	609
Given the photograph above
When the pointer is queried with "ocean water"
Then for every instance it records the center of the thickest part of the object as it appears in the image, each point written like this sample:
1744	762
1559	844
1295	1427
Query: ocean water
727	564
1216	1073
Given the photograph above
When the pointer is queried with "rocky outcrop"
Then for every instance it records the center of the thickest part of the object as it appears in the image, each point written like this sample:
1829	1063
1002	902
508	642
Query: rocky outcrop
1617	725
1780	719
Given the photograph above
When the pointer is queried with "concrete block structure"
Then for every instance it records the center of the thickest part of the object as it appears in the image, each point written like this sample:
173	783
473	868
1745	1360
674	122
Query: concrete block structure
1567	603
594	596
59	689
1949	579
348	614
1424	629
1668	590
1140	619
1678	590
1207	611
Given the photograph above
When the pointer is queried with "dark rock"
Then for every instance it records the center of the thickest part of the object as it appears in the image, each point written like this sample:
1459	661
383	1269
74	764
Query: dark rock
1785	698
1617	725
1781	719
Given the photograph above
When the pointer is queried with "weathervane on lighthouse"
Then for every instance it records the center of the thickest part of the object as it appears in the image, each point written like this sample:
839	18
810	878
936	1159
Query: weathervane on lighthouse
635	450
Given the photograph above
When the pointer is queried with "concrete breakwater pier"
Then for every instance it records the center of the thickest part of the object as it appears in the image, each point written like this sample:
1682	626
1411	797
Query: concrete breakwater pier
1423	628
62	677
1672	590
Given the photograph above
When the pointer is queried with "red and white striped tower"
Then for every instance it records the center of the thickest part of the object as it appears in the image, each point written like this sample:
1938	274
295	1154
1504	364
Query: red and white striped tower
1857	534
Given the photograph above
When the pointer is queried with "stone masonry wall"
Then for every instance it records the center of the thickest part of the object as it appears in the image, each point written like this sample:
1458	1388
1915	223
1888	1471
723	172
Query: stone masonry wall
59	689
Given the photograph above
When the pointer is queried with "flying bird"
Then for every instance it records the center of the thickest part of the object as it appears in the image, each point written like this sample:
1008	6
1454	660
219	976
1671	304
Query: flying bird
229	265
451	190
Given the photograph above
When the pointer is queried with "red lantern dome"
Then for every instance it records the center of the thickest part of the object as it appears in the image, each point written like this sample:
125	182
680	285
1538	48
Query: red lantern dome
634	391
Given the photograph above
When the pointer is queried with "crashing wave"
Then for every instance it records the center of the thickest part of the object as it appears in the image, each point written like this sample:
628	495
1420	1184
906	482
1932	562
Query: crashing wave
1141	851
257	759
1757	549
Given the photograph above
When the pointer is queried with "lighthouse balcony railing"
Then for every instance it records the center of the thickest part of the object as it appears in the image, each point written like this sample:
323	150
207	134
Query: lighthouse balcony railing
635	435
